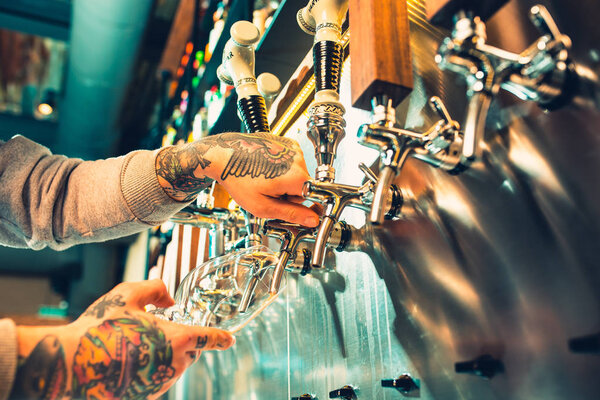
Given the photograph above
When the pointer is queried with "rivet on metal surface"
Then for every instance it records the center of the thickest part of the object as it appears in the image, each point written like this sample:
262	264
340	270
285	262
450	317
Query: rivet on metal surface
589	344
305	396
347	392
404	383
484	366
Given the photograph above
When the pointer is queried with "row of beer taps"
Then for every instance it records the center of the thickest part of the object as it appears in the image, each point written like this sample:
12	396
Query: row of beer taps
543	73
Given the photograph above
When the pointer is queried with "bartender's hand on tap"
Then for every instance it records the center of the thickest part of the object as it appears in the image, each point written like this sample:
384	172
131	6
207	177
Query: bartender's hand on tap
263	173
114	350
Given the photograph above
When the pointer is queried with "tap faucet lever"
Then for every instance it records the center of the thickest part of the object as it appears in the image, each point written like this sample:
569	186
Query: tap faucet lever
543	21
438	106
370	175
290	235
440	146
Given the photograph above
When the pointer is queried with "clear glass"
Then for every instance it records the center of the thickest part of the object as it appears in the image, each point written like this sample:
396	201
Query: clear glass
212	293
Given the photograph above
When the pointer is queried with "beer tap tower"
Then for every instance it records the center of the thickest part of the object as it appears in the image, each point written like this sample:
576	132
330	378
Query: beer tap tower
326	125
323	19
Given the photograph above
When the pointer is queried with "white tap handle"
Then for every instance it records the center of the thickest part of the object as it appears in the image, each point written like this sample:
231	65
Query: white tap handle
269	86
323	18
244	33
237	68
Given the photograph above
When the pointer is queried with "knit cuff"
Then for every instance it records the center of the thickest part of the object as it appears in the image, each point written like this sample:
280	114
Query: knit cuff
8	356
145	197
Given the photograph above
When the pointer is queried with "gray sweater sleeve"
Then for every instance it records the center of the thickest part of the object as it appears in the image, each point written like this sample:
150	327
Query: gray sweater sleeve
51	200
8	356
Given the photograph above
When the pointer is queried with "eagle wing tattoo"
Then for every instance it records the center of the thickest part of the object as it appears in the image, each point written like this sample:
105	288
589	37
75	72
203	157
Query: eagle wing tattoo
257	155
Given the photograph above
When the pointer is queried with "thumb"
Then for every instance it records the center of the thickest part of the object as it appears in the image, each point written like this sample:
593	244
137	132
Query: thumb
149	292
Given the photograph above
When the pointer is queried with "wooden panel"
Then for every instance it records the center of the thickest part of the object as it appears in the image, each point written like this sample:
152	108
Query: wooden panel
441	12
379	51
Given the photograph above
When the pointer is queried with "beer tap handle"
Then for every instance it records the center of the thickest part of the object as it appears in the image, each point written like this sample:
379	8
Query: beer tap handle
269	87
237	69
543	21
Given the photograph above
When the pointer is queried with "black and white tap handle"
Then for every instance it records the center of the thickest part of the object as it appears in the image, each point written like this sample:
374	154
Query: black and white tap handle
237	69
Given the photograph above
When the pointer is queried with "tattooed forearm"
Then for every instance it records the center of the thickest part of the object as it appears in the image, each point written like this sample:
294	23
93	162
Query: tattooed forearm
255	155
42	374
178	171
128	358
98	309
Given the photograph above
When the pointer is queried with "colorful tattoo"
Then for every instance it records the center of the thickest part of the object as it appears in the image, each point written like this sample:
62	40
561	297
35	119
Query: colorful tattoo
255	155
178	165
125	358
103	305
42	374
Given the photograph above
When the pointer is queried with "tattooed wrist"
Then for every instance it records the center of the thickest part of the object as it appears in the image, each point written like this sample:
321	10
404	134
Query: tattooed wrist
180	170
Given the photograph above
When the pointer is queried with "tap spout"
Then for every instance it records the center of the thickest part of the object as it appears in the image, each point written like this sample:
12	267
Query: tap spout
335	197
323	235
290	235
474	127
384	199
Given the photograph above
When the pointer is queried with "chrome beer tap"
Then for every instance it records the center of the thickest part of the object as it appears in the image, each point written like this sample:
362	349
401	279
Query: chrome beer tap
439	146
323	18
326	124
292	235
543	73
336	197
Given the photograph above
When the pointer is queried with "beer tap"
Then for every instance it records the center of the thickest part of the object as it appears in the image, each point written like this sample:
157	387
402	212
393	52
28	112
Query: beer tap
343	238
290	236
323	18
439	146
326	124
237	69
543	73
336	197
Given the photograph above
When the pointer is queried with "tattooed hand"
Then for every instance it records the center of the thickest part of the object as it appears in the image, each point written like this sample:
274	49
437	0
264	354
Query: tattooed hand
263	173
113	351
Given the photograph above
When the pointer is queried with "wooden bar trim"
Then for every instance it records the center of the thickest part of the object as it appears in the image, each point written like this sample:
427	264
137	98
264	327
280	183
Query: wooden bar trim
379	51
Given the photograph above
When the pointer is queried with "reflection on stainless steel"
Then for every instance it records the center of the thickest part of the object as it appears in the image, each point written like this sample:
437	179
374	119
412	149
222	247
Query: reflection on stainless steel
543	73
501	260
